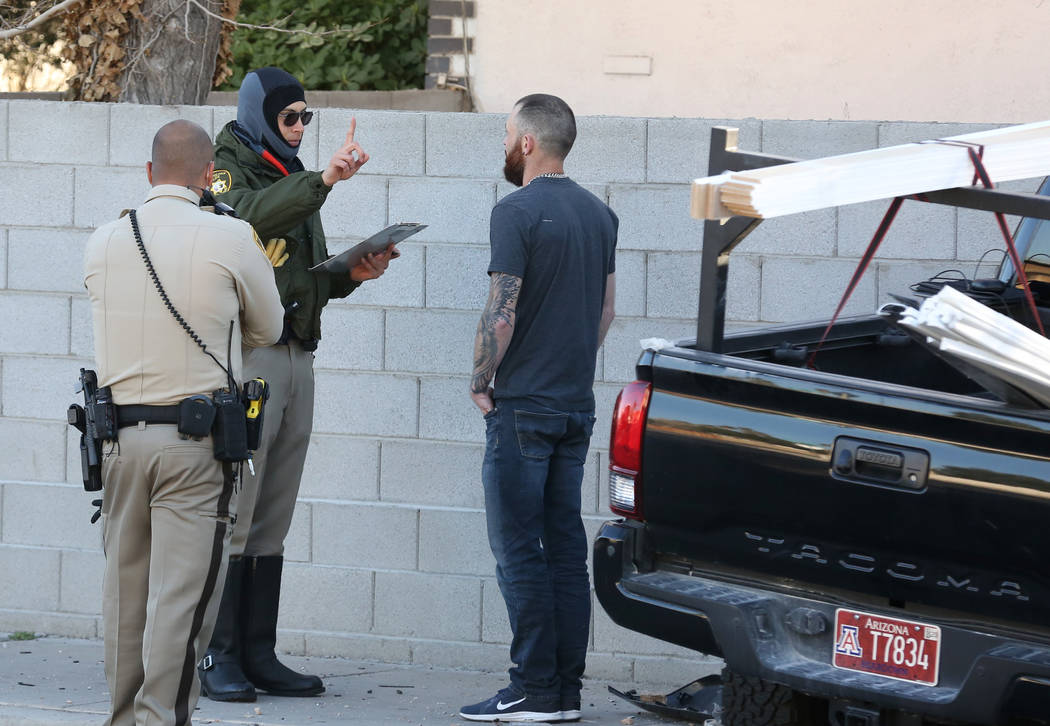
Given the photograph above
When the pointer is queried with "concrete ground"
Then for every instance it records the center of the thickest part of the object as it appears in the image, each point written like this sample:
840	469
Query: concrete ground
54	681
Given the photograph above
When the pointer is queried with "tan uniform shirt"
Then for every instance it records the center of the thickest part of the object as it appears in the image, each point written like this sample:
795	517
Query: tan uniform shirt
214	272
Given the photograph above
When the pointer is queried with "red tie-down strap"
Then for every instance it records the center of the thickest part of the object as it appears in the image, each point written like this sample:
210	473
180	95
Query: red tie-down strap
976	153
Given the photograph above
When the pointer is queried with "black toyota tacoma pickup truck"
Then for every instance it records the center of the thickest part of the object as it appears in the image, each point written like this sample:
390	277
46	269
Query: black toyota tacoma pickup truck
865	542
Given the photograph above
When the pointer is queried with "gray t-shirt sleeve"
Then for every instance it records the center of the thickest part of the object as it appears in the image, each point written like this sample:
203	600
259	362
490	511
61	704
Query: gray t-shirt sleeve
508	233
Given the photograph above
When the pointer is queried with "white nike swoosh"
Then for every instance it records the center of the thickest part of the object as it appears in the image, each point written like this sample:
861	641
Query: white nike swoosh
501	706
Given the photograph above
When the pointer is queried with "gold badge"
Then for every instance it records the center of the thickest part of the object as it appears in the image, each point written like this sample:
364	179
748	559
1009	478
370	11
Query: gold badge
221	181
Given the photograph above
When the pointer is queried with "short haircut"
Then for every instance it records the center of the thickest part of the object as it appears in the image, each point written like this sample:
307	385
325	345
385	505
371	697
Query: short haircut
550	120
182	151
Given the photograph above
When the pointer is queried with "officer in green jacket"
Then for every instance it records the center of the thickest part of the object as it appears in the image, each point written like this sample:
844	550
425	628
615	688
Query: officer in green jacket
258	173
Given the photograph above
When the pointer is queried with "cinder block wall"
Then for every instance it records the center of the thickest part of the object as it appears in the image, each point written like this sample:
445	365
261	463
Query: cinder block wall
387	555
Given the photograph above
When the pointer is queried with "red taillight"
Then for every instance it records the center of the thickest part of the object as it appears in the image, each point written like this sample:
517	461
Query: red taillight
625	449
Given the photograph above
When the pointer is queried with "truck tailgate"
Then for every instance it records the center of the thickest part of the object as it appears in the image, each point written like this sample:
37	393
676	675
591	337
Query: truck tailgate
788	474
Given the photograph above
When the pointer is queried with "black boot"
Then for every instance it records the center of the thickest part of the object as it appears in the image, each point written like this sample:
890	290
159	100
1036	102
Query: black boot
259	636
220	670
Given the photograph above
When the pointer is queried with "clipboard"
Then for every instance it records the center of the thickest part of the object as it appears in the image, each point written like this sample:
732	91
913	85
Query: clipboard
376	243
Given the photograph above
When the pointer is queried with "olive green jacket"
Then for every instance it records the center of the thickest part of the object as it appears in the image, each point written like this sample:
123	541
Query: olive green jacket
286	207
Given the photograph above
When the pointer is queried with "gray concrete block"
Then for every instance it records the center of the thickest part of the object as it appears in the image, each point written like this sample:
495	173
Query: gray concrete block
621	344
359	647
611	638
673	286
24	204
465	144
630	283
345	534
603	667
297	544
591	477
604	400
39	388
678	148
102	193
808	233
457	276
37	453
65	510
336	599
978	235
590	160
30	577
671	673
291	642
222	115
58	132
906	132
80	588
495	625
341	467
473	656
430	341
34	323
655	218
420	605
393	140
3	258
3	130
434	473
73	473
359	403
797	289
446	412
46	259
356	208
353	339
453	210
603	483
64	625
81	332
814	139
132	128
454	543
401	286
897	277
919	231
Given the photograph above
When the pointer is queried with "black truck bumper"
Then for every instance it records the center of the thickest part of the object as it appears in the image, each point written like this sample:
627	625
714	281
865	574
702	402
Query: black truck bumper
984	677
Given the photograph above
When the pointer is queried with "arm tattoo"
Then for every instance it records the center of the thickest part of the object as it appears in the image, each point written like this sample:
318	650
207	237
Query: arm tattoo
494	329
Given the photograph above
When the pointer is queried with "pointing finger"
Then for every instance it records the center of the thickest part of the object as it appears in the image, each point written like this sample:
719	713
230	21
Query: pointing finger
352	131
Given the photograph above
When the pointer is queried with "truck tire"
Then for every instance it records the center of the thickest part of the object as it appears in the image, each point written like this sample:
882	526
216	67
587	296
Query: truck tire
751	701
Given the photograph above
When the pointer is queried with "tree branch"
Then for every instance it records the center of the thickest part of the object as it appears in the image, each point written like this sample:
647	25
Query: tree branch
237	24
41	18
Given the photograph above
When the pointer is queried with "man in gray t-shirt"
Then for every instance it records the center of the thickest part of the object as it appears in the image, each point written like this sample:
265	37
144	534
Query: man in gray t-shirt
551	295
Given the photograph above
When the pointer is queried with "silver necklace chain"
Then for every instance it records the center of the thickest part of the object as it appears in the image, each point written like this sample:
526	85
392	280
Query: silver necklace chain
551	175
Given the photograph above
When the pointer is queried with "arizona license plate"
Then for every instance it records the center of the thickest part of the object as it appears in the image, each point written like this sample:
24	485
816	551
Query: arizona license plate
890	647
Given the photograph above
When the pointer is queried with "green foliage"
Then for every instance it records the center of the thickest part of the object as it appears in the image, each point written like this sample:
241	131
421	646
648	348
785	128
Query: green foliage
383	48
23	635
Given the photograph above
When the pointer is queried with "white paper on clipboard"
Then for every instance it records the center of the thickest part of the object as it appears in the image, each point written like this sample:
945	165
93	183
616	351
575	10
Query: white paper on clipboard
376	243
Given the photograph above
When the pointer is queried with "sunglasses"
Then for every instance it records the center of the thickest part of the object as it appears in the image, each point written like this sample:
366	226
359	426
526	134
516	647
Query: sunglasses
291	118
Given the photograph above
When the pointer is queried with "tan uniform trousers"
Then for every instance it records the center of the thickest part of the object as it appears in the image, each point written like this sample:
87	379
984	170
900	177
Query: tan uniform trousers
267	500
166	518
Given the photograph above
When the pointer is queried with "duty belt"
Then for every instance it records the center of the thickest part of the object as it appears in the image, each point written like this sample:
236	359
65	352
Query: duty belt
131	415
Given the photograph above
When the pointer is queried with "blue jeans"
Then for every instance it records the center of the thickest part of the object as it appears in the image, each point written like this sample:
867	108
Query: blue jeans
534	461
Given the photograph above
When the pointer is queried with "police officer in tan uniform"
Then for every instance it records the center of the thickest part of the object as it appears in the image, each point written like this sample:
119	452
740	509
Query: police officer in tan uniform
168	504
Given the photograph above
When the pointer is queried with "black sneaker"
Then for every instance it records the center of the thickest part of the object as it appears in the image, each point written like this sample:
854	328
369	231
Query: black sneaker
508	705
570	709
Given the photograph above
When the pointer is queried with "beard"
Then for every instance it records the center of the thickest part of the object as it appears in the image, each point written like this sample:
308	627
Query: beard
514	166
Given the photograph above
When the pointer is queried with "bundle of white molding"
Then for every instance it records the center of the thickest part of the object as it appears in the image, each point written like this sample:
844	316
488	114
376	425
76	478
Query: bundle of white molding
999	345
1012	152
